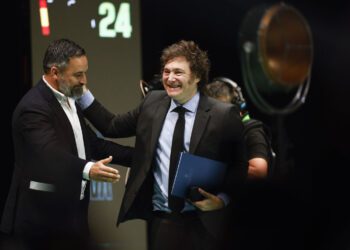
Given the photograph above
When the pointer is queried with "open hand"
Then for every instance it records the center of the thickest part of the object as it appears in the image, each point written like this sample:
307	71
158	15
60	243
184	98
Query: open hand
100	172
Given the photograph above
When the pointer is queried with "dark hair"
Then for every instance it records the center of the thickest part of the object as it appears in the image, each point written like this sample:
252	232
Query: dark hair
59	52
197	58
218	89
223	86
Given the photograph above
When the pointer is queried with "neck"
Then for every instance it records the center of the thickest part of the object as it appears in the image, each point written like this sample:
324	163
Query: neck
51	81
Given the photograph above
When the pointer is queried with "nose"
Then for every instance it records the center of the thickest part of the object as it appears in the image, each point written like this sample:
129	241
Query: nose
171	77
83	79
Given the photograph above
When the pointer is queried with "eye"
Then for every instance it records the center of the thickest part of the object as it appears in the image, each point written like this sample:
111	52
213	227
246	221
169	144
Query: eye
179	72
78	74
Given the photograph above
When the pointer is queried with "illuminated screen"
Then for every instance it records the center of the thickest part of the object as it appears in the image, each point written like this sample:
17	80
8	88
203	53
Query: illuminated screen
110	34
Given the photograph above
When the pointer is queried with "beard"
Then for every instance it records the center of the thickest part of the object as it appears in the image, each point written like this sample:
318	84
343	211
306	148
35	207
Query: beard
70	91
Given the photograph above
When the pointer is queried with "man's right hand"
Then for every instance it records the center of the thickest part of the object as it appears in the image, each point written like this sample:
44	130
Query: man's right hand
100	172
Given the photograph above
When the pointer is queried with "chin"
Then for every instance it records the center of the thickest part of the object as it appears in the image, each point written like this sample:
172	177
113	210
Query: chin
173	93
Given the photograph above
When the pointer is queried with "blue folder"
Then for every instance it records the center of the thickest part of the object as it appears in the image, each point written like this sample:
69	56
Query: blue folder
197	171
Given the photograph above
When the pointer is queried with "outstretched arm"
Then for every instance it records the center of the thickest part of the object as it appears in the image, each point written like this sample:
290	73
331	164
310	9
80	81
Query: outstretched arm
100	172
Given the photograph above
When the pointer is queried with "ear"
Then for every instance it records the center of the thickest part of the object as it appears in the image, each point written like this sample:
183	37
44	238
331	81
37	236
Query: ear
196	80
54	72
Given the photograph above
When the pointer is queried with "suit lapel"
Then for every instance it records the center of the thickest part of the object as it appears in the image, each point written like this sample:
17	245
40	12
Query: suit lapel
158	121
200	122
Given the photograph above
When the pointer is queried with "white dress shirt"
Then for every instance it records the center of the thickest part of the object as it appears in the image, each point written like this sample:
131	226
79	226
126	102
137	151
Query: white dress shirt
68	105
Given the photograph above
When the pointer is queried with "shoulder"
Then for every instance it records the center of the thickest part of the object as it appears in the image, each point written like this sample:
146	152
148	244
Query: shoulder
156	95
218	107
253	124
32	97
256	125
36	99
222	115
256	130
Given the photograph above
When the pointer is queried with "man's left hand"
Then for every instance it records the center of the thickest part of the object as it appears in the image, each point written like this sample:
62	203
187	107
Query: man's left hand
211	202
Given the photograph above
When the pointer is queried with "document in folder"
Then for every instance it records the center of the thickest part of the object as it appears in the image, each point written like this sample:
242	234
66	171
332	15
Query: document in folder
197	171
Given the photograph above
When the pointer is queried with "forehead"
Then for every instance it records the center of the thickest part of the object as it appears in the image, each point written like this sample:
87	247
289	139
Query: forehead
177	63
77	64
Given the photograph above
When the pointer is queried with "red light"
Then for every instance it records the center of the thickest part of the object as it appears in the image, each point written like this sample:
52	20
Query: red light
44	18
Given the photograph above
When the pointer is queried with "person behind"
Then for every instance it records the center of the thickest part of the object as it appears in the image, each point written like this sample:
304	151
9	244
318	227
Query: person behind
47	205
182	224
154	84
252	229
258	151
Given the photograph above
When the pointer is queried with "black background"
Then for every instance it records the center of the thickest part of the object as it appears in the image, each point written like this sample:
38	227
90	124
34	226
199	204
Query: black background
313	205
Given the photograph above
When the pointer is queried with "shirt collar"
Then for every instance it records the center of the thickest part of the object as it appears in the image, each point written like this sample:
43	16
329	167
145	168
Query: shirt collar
190	105
60	97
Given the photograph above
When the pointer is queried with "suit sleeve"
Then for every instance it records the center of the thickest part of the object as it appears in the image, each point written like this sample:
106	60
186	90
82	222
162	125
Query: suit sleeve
101	148
109	124
119	125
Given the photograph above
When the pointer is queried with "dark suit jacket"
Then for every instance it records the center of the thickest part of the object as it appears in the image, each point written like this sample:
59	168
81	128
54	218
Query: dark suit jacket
217	134
45	151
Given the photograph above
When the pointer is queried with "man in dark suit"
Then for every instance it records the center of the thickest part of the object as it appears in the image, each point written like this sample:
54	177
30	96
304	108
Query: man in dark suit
47	205
212	129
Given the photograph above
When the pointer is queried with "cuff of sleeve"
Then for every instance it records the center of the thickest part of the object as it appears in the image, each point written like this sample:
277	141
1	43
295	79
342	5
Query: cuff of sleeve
85	100
86	171
225	198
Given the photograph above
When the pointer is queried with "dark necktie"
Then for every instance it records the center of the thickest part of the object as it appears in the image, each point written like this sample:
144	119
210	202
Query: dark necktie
176	204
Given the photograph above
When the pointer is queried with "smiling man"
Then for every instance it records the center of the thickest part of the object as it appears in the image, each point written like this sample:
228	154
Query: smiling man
210	129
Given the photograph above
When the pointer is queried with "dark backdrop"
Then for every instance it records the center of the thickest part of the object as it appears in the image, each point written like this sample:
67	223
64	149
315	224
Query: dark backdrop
315	198
317	134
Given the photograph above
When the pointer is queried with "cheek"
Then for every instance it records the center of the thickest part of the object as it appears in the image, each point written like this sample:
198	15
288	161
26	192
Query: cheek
72	81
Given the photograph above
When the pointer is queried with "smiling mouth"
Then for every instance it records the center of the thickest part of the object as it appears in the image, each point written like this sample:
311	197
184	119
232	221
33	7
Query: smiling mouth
174	86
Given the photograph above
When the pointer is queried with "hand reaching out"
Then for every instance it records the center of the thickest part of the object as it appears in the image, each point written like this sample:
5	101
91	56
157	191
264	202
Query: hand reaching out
100	172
